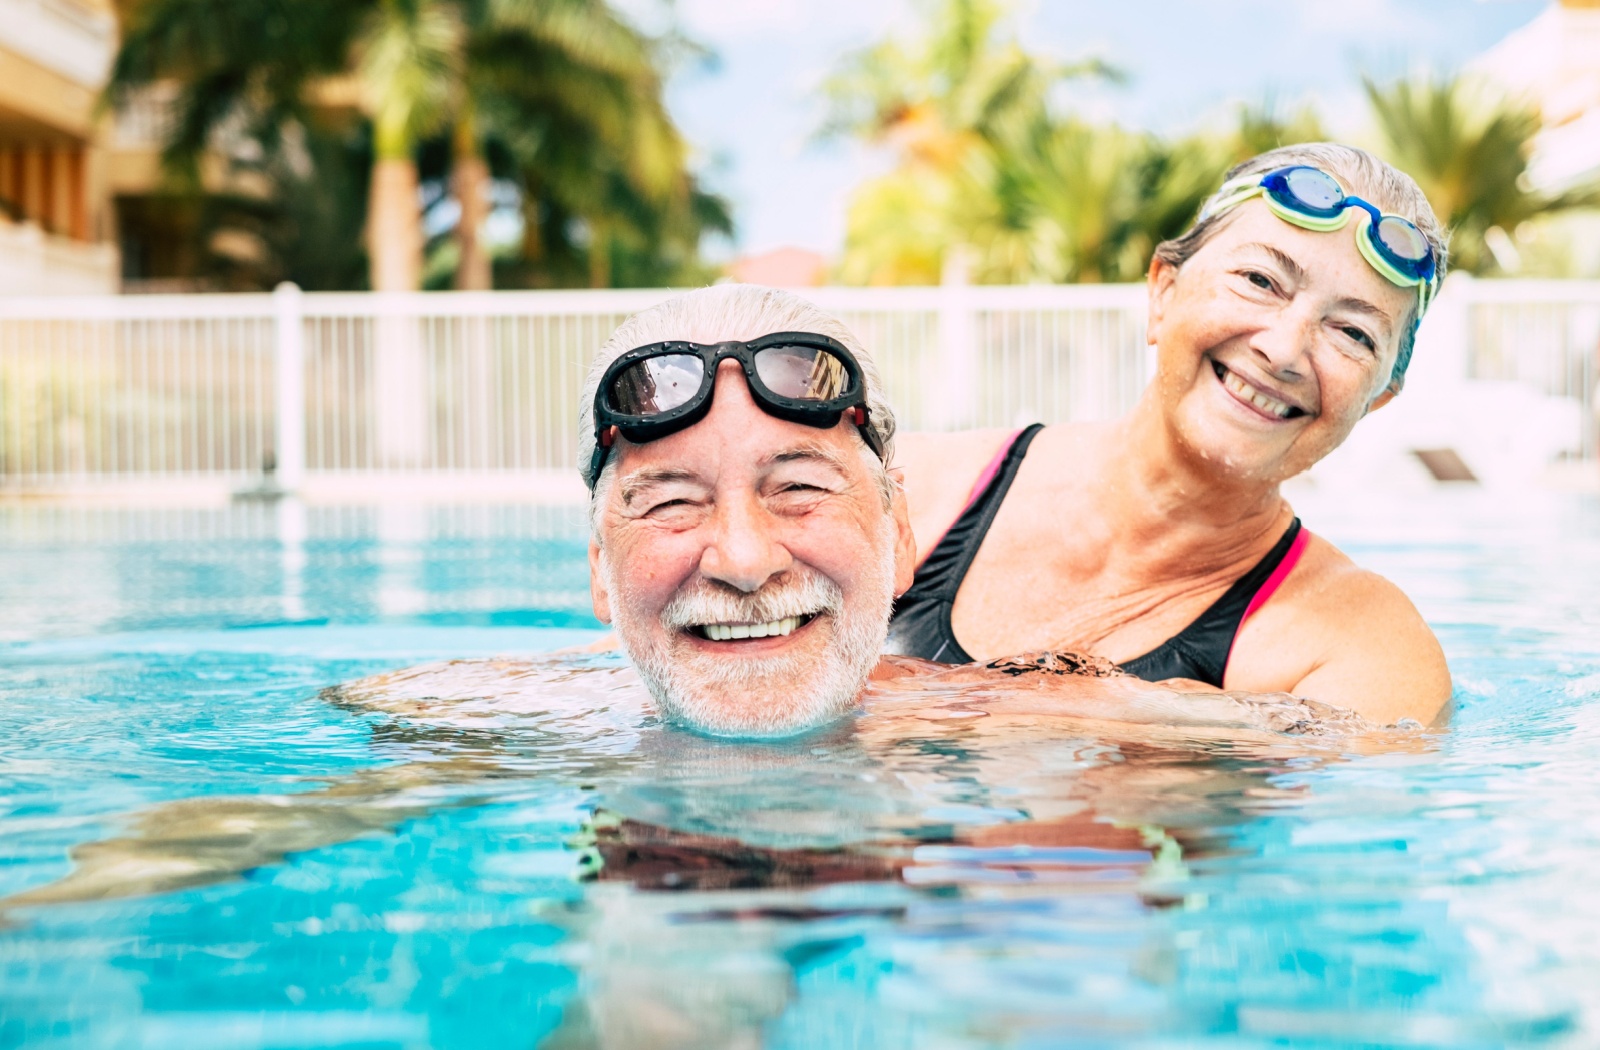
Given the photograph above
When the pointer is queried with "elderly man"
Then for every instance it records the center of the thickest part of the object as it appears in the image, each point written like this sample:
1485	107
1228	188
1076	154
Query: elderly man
747	538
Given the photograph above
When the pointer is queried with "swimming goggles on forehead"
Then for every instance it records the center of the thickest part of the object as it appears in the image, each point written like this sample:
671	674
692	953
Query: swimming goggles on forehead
1314	200
660	389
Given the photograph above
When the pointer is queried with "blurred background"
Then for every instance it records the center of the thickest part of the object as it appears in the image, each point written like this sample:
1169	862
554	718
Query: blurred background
199	197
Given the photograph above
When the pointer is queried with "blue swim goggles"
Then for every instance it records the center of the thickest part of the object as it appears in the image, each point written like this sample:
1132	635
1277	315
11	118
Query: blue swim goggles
1314	200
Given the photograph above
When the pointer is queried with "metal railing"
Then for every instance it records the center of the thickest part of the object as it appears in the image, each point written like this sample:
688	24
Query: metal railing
427	389
1544	335
359	387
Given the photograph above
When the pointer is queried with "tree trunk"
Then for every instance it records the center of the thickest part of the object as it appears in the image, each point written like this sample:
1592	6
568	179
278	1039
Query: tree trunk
394	226
532	234
599	254
400	380
470	176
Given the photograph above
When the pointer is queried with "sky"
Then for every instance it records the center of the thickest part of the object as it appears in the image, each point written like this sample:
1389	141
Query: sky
752	114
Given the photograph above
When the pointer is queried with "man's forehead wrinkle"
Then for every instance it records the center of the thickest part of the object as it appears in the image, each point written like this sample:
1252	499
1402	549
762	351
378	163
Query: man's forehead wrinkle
644	477
804	452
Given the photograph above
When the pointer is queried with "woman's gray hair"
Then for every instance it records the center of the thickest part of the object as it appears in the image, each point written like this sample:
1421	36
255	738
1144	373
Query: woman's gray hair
720	313
1392	190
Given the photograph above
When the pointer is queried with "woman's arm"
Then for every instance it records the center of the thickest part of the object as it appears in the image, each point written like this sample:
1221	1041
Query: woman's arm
1076	686
1347	637
1380	657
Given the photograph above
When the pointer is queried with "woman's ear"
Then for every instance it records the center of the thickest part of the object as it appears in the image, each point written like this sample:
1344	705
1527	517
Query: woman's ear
1159	285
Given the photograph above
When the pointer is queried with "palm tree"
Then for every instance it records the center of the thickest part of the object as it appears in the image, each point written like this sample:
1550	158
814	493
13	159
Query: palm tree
411	64
941	102
563	90
1468	148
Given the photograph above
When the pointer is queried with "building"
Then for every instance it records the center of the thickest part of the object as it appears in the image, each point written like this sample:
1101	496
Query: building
1554	62
781	268
57	234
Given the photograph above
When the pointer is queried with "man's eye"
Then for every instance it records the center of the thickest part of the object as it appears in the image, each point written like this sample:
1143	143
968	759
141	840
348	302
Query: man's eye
1259	279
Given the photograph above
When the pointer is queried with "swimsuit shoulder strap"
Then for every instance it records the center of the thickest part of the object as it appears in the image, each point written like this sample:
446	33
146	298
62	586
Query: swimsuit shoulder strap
1201	650
921	623
952	556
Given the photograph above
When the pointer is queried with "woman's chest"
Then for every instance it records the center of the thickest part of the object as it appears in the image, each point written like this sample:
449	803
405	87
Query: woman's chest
1026	590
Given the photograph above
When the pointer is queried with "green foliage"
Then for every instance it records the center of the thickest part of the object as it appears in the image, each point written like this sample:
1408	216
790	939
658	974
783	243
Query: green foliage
564	97
989	157
1468	148
306	230
969	113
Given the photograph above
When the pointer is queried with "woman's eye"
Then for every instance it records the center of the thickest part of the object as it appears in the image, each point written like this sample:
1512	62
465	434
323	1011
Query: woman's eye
1259	279
1359	336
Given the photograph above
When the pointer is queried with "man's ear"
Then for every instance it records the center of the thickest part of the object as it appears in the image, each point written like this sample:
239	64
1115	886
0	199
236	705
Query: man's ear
1159	286
1382	399
597	585
905	541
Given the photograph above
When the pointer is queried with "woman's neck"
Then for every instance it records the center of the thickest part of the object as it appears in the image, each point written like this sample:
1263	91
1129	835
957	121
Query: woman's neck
1160	492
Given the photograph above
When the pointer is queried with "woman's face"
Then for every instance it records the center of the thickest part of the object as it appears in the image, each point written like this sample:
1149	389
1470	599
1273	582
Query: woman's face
1272	342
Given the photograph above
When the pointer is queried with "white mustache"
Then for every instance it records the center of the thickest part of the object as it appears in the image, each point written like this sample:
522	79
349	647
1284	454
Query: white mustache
701	602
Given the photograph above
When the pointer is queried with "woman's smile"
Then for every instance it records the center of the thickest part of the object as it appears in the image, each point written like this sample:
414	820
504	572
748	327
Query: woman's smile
1264	401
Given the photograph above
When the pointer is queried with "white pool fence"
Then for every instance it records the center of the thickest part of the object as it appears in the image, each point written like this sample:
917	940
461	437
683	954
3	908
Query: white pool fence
414	393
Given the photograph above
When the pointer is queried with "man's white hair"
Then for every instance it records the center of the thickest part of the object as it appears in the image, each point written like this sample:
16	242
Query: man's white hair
717	314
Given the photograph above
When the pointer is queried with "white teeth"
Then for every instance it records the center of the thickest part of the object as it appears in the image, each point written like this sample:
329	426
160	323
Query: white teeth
727	632
1254	396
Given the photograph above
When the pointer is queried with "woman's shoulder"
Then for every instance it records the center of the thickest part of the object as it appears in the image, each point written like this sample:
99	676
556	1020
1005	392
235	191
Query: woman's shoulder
939	470
1344	635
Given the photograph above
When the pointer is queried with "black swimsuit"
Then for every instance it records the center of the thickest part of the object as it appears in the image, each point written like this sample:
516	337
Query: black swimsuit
921	623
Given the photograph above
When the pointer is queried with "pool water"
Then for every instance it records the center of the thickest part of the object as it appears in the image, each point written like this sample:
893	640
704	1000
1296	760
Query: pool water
315	873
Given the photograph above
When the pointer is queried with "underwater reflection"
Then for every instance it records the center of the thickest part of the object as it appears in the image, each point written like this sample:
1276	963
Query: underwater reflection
722	875
939	764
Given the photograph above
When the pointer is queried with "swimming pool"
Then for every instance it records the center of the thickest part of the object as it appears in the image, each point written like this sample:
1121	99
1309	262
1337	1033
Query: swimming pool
820	893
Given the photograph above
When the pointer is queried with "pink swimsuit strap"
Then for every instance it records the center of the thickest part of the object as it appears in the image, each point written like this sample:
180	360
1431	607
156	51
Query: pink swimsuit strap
990	471
1281	573
978	488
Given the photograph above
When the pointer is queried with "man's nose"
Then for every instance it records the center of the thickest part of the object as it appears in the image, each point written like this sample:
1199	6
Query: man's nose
744	552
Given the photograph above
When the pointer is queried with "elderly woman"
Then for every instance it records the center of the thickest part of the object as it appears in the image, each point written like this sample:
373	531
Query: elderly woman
1162	541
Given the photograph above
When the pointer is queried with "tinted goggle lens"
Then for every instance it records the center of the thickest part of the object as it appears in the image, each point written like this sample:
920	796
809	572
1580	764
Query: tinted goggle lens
804	373
656	384
665	382
1313	190
1402	240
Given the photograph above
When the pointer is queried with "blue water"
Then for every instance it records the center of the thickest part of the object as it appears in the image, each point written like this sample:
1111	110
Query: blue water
368	879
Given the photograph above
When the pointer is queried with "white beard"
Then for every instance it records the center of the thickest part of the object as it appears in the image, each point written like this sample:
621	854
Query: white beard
765	696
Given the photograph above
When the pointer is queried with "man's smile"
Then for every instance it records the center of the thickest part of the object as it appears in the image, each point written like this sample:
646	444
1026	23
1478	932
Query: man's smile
727	632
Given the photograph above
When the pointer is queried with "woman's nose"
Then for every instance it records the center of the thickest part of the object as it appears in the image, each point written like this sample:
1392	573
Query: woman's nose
1283	344
745	551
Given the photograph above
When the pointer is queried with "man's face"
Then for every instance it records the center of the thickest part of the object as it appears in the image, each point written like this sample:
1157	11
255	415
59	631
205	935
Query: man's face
749	565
